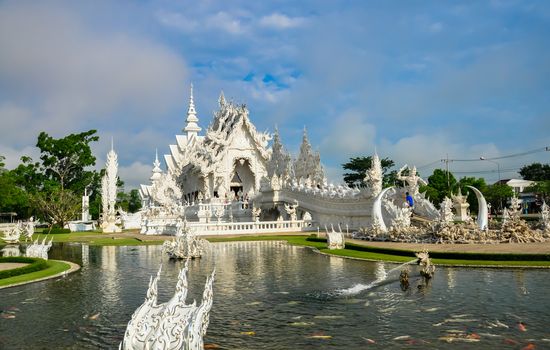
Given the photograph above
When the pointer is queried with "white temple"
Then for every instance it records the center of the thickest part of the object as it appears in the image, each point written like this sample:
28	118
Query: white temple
231	175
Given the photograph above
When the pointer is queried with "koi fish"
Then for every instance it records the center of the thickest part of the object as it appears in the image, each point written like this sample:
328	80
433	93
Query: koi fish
368	340
211	346
402	337
94	317
529	346
248	333
522	327
510	341
301	324
320	336
328	317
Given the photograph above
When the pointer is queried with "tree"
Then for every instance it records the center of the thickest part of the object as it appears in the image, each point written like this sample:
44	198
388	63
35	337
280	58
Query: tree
535	172
64	160
541	190
497	194
439	186
56	183
358	167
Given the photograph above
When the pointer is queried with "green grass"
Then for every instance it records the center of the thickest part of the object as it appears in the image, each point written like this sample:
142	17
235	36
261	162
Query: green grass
54	267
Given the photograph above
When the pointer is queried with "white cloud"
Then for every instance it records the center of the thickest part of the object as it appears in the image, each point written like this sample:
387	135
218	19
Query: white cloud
350	135
280	21
72	73
134	174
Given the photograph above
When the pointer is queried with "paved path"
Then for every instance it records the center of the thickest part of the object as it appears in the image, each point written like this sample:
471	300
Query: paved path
10	265
515	248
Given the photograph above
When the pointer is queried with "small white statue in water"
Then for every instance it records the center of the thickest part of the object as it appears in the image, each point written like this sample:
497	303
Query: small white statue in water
426	268
186	244
335	240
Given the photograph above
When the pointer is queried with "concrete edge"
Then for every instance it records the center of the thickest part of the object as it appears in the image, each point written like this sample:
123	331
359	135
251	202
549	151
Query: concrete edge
72	268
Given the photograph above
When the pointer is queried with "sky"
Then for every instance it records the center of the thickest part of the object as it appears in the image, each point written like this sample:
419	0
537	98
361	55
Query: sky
417	81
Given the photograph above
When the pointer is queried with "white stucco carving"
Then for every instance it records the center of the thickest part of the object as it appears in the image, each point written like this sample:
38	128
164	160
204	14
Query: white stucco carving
109	192
172	325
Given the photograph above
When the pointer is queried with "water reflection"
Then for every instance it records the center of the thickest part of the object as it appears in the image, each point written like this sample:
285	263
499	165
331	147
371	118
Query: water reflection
273	296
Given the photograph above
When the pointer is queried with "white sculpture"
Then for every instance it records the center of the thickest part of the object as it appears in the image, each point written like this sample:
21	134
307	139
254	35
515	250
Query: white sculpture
483	212
186	245
377	219
446	212
10	250
545	216
307	216
412	180
460	204
400	217
335	240
13	234
28	229
291	210
374	176
256	211
172	325
515	206
427	269
109	192
85	206
39	250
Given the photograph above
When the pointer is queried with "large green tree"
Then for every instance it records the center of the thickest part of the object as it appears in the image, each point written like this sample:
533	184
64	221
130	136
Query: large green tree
12	197
358	166
497	194
54	185
535	172
440	185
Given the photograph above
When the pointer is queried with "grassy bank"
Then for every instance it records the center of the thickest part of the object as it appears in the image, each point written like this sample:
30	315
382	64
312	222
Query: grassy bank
399	256
53	267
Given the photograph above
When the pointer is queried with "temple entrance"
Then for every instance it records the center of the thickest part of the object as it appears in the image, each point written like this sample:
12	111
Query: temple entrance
236	187
242	183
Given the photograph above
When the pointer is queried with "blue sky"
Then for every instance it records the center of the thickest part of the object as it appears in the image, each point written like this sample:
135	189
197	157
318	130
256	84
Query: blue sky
417	80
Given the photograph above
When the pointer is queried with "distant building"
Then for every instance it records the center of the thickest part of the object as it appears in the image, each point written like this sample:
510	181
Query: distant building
527	198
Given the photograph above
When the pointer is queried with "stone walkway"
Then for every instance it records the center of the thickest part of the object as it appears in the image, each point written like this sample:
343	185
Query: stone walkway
10	265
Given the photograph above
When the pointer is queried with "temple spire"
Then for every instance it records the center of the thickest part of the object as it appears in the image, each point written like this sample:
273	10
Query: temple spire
192	128
156	169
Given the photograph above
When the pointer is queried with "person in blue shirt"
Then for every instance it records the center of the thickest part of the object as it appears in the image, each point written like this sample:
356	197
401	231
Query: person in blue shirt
409	200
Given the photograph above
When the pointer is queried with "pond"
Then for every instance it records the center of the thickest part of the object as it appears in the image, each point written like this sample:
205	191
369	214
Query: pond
269	295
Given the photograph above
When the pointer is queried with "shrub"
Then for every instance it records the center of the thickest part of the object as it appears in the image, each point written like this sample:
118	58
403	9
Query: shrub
35	264
57	230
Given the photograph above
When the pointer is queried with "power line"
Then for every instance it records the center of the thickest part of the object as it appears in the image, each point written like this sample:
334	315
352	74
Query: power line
537	150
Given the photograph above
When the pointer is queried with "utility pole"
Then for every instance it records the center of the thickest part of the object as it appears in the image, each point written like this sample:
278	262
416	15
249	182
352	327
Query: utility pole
447	160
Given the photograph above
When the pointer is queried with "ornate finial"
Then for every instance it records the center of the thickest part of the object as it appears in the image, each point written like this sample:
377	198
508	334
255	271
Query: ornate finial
221	100
192	128
112	144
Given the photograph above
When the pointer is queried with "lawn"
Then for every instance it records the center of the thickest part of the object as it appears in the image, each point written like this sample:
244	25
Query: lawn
54	267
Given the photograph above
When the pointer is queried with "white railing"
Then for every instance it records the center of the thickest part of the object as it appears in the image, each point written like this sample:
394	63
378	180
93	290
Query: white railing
168	227
235	228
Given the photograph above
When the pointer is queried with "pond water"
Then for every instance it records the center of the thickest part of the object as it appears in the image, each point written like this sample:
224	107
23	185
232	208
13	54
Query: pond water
269	295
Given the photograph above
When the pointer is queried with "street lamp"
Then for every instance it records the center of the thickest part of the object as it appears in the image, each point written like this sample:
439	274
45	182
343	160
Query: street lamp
492	161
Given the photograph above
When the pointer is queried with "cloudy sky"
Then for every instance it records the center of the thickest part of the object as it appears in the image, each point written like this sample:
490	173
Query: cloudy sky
418	81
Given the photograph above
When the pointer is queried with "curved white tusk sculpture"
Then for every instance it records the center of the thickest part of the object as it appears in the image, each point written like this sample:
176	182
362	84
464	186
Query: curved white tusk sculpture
482	212
377	210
